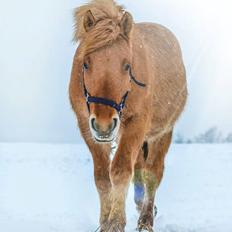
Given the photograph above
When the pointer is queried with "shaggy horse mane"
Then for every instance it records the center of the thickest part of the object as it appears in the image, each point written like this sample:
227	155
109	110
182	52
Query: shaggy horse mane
107	29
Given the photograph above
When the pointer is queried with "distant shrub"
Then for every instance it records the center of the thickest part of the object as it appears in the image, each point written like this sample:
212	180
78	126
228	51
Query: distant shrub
228	138
212	135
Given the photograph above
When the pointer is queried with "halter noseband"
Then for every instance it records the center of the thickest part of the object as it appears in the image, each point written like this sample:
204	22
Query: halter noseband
108	102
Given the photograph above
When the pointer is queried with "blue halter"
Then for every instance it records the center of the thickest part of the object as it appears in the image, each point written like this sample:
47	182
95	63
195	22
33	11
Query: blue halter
108	102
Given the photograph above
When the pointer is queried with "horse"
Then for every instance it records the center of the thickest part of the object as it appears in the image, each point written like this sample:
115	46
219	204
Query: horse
127	87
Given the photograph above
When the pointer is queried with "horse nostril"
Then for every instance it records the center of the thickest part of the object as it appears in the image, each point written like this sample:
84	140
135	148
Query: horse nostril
114	124
94	124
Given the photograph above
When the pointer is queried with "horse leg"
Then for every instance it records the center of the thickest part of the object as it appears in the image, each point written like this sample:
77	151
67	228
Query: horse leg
100	154
152	176
120	175
102	180
139	187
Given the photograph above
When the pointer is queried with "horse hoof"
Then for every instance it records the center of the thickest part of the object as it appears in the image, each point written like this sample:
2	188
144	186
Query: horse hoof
145	223
115	227
143	228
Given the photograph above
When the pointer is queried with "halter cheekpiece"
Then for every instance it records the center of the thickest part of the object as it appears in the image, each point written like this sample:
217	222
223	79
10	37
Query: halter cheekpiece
108	102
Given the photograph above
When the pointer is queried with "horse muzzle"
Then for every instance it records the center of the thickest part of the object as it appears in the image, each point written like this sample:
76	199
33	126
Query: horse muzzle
104	131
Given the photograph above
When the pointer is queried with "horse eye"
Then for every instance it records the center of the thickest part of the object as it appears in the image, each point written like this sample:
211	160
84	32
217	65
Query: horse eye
85	66
127	67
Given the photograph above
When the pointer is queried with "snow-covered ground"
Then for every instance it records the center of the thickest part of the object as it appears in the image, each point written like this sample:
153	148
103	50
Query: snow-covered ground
50	188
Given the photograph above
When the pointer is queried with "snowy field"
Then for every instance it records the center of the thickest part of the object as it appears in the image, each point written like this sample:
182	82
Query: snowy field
50	188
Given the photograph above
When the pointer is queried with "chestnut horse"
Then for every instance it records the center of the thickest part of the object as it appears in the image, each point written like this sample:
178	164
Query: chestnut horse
127	87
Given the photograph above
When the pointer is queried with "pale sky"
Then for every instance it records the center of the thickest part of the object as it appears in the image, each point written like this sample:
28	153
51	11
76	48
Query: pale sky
36	52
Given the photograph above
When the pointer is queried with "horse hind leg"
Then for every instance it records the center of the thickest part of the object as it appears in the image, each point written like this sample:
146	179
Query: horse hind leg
139	187
152	176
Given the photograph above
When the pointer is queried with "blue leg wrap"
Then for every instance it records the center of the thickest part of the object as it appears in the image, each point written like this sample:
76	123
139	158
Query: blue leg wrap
138	192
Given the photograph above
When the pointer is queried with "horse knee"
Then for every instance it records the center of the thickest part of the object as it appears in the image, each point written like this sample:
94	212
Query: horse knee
102	180
120	175
103	185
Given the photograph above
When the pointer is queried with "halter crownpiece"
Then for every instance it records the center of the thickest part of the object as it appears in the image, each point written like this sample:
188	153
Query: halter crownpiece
108	102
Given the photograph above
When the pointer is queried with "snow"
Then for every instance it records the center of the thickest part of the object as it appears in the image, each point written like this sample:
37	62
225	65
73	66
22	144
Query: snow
50	188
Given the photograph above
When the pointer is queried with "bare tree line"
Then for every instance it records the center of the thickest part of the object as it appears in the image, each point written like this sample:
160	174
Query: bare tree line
212	135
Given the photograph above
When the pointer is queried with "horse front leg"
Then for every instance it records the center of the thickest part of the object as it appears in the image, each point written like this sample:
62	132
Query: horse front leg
102	180
120	175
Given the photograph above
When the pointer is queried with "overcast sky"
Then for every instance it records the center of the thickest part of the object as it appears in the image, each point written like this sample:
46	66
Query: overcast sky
36	52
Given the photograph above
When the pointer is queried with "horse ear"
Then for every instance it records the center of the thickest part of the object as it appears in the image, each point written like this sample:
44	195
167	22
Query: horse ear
126	24
89	21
